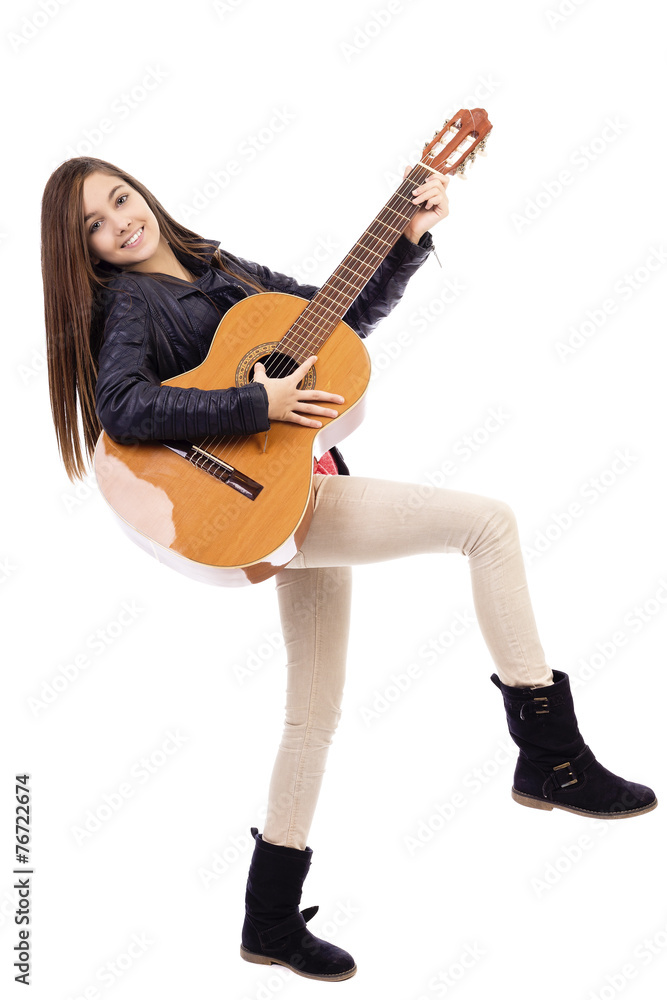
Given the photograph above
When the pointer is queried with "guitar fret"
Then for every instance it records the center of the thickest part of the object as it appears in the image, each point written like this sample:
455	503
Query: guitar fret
366	263
401	216
348	267
376	253
345	281
352	286
395	217
391	228
330	303
381	241
323	303
335	308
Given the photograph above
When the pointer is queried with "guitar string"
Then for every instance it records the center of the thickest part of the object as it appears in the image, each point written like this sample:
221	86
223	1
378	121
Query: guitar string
301	325
304	326
412	180
325	310
307	327
409	180
417	175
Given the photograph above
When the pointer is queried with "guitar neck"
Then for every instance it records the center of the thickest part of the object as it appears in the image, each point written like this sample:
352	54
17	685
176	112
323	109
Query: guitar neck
326	309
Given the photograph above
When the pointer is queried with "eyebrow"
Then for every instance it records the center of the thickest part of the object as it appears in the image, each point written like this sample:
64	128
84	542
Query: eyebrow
111	194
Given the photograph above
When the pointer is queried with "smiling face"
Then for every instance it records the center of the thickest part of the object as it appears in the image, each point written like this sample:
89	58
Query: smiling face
119	226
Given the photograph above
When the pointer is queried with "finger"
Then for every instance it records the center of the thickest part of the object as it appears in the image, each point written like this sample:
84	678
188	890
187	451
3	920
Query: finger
433	179
431	198
302	369
296	418
312	408
259	370
424	196
319	394
429	188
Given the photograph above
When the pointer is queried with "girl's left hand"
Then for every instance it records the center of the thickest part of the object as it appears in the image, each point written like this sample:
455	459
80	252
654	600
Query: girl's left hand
432	195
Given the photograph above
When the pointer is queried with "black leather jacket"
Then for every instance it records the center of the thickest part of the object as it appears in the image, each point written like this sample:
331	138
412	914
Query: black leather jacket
161	328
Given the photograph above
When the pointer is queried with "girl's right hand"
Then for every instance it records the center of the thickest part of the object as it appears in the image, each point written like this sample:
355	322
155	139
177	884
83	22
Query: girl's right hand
286	402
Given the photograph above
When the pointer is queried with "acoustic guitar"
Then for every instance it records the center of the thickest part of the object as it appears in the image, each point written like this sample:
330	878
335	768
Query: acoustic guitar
235	510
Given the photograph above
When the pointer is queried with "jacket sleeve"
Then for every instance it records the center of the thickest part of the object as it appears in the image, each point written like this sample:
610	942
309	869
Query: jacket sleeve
376	299
131	403
385	288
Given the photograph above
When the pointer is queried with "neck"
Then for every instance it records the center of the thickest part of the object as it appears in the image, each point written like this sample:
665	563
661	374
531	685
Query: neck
326	309
163	261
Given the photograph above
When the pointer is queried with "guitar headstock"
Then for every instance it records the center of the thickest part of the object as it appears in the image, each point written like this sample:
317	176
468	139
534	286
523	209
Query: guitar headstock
458	142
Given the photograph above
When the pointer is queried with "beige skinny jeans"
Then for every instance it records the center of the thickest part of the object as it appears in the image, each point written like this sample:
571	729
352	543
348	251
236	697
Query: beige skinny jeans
359	520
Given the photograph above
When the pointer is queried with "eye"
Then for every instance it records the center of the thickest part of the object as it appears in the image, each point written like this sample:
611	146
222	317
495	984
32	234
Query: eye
119	200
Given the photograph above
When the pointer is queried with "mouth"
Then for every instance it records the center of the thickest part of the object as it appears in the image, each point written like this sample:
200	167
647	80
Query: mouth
134	239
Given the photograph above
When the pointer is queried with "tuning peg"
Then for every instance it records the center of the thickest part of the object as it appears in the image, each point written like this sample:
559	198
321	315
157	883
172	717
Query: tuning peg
481	149
460	170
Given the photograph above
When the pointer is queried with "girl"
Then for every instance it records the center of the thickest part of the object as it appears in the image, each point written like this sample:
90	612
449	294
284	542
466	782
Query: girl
133	298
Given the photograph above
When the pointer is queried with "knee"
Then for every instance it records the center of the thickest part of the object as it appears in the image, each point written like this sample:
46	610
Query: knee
312	728
498	521
502	517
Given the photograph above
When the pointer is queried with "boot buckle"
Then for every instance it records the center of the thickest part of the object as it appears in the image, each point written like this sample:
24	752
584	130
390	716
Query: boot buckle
569	774
539	705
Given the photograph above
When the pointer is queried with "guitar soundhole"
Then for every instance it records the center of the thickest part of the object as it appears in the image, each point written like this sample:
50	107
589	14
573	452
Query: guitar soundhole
276	363
279	365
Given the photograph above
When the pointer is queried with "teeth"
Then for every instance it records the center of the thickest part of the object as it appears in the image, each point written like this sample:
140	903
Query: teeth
134	239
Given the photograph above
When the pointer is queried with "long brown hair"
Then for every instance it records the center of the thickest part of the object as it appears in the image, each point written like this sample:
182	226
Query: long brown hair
74	291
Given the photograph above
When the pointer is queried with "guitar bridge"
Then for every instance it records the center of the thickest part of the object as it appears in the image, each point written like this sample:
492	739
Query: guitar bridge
216	467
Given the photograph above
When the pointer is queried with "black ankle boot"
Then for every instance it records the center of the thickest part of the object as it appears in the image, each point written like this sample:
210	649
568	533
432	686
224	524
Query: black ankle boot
555	767
274	931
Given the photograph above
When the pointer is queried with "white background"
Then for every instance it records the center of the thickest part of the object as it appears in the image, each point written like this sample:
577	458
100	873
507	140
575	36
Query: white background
552	905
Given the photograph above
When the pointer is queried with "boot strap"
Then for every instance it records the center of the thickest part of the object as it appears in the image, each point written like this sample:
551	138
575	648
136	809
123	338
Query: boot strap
295	922
568	774
539	704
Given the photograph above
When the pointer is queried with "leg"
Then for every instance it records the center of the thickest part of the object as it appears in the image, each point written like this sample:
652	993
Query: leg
366	520
360	520
315	610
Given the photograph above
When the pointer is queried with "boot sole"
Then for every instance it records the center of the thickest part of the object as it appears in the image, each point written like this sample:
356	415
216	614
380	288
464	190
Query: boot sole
252	956
534	803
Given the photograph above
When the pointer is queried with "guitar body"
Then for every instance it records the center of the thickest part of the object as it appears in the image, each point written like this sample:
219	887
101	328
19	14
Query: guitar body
203	526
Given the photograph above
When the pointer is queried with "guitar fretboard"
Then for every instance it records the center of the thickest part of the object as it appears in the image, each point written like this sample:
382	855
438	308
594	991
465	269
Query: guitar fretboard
326	309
